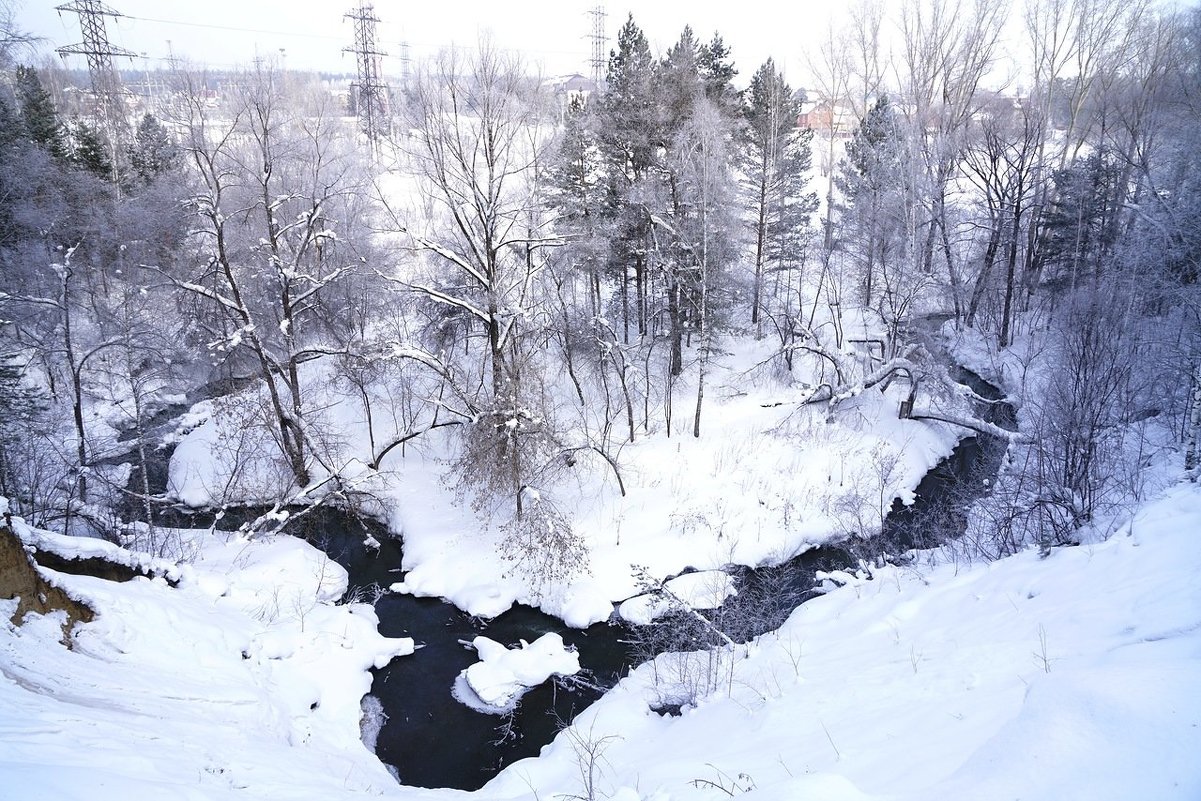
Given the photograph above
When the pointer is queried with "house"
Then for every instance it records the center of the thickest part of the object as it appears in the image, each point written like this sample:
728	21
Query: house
567	88
828	118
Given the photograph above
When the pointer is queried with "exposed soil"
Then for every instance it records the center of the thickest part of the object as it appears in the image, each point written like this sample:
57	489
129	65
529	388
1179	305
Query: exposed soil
20	579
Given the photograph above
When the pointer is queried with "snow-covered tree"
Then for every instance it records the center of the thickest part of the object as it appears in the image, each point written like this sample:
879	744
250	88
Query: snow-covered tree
477	142
776	165
873	186
41	121
277	193
153	150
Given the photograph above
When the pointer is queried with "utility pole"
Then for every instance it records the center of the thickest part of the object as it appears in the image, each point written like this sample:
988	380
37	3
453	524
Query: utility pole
371	94
598	60
106	83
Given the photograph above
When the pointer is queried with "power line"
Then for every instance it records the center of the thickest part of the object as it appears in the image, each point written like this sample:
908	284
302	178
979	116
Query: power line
327	37
234	28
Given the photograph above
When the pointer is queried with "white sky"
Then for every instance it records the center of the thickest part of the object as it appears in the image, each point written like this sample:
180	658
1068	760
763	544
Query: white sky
221	33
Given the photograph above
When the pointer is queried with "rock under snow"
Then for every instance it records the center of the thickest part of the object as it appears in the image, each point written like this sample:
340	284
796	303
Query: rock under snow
503	675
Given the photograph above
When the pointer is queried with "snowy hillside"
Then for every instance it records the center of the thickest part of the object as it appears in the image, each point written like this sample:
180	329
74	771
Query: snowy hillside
246	677
1071	676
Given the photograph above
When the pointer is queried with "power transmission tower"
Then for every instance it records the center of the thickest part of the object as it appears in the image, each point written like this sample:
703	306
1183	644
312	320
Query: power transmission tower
106	83
371	94
598	46
405	65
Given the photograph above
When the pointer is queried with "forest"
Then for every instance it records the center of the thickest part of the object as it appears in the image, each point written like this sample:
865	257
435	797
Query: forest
606	365
550	277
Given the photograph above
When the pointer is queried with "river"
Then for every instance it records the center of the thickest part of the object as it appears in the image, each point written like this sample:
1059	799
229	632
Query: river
431	740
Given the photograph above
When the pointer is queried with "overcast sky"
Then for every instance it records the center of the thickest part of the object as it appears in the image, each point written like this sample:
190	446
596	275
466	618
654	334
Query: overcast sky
312	33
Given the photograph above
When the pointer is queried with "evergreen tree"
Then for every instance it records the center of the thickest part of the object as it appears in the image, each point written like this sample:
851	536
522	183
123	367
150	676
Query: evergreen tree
1081	227
89	150
776	160
680	84
22	421
717	74
629	130
871	184
41	121
574	189
12	130
629	135
153	151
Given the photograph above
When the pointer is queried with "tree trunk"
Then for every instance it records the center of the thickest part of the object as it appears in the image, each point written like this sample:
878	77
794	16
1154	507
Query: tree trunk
76	369
677	333
990	257
760	246
625	305
1194	427
1007	311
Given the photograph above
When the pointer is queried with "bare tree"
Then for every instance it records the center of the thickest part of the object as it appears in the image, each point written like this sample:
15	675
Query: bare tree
477	131
276	195
949	48
476	134
1002	164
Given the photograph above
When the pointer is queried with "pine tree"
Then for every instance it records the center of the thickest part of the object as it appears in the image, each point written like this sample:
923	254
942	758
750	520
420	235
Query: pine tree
630	129
574	189
22	419
629	134
12	130
680	84
776	160
41	121
89	151
153	151
870	183
717	74
1080	228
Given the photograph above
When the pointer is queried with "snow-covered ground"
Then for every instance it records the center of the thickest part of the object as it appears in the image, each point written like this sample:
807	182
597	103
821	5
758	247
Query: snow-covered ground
1076	676
767	480
243	681
1070	676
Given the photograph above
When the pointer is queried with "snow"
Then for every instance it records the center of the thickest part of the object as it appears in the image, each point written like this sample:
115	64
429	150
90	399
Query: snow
496	683
704	589
1070	676
690	503
245	679
77	548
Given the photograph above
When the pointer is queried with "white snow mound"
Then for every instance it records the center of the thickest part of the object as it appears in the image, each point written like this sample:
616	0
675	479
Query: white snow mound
503	675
